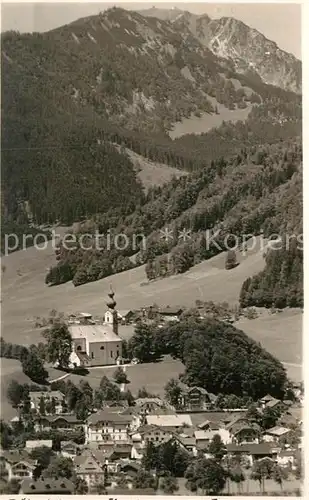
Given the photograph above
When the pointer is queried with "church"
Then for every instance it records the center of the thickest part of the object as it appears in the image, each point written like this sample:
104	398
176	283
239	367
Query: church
97	344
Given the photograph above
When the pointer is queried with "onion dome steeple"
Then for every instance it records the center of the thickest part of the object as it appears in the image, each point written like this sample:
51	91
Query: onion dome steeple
111	303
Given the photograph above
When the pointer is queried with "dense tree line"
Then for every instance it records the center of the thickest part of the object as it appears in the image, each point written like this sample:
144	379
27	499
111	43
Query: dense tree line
240	194
280	284
211	349
30	358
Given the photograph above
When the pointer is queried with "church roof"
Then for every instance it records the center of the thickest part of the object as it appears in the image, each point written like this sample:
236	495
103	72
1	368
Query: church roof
94	333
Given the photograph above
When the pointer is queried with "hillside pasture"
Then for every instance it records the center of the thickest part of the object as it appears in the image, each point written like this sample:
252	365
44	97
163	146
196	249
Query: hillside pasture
25	297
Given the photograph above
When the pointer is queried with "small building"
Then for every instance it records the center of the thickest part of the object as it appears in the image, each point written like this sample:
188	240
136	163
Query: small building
17	464
46	486
195	398
276	433
69	449
56	422
170	313
148	405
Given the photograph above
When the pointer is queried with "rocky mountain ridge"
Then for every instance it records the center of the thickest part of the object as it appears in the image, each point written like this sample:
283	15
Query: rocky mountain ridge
248	49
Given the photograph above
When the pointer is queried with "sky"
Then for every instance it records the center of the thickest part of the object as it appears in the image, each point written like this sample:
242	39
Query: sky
280	22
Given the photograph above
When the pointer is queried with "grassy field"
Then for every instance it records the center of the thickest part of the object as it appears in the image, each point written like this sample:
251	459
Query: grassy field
151	173
207	121
25	296
10	370
152	376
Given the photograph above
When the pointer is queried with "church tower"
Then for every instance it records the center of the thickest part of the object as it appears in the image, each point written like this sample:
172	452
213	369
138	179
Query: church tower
111	304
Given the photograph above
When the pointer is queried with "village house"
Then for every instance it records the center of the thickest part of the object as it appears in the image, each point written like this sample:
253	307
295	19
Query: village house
106	426
87	467
151	433
53	401
243	431
47	486
276	434
195	398
205	436
269	401
97	344
148	405
69	449
56	422
253	452
170	313
17	464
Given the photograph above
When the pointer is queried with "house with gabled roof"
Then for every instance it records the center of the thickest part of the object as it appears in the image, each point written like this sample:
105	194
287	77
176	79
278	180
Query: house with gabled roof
88	468
69	449
242	430
106	426
56	422
276	433
17	464
195	398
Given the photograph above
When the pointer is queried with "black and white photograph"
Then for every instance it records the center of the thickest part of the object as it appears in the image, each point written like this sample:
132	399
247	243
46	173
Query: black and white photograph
152	290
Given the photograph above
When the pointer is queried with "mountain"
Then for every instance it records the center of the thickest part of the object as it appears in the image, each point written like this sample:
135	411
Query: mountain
70	95
163	14
247	48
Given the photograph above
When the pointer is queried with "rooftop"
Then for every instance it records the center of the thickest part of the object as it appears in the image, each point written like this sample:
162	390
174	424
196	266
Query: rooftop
94	333
39	443
169	420
47	486
277	430
108	416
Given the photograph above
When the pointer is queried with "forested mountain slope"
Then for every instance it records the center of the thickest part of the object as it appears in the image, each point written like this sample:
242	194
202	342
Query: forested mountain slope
117	77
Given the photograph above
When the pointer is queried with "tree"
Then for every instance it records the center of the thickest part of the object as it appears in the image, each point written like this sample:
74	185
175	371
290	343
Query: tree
169	485
172	392
43	456
150	460
206	475
15	393
5	435
34	368
60	467
80	486
120	376
269	417
237	476
82	409
262	469
279	475
144	479
42	408
142	344
59	344
217	448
